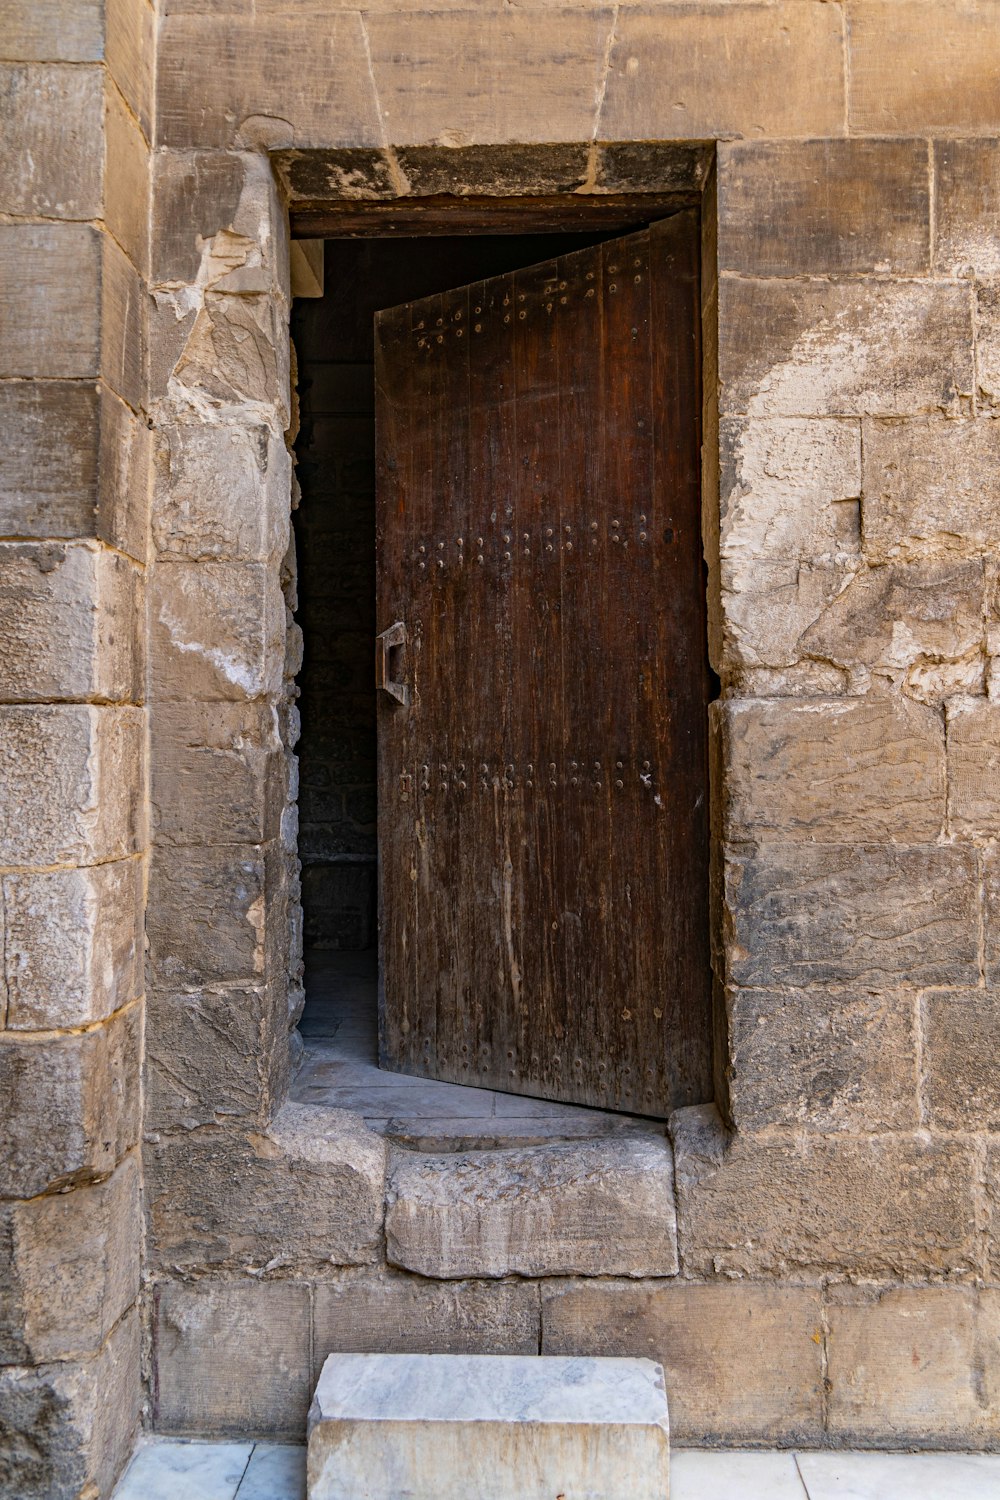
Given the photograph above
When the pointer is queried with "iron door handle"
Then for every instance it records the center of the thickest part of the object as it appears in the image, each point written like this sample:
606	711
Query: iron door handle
393	639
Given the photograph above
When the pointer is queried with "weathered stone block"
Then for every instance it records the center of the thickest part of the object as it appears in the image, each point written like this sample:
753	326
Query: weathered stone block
74	944
126	450
70	1268
601	1209
51	120
306	1193
378	1312
71	783
277	81
743	1363
50	280
524	77
912	1367
821	1060
915	69
51	31
68	1428
787	207
788	487
988	345
871	915
126	181
48	459
840	770
237	352
766	608
71	1104
195	194
967	204
123	328
129	49
961	1038
883	1206
931	486
217	630
222	492
698	73
974	767
214	1056
512	170
843	348
217	773
70	622
206	918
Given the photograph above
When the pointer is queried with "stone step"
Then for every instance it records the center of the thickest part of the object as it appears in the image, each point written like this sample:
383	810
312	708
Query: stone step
488	1427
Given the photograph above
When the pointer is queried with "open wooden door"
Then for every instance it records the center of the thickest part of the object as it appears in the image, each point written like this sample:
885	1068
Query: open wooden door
543	818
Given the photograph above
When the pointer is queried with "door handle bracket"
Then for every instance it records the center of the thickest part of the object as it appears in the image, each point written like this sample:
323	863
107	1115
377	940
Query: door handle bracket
388	650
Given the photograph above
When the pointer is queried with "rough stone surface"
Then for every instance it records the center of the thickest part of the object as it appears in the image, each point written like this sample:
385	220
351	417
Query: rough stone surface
206	919
603	1208
743	1363
967	200
217	631
961	1038
71	1104
906	77
71	784
52	31
73	948
931	487
974	768
369	1312
881	1205
837	771
308	1191
67	1429
70	1268
392	1424
49	116
48	462
232	1358
222	492
218	776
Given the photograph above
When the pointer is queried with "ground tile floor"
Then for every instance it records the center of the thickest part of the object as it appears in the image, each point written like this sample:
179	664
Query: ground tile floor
174	1469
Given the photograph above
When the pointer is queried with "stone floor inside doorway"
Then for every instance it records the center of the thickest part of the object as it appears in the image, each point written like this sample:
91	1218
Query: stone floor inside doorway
175	1469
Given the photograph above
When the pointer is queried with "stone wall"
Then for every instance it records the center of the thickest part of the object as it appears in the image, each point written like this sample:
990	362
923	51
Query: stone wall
833	1275
76	86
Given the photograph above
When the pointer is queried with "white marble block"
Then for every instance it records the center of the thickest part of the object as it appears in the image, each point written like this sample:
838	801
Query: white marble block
488	1427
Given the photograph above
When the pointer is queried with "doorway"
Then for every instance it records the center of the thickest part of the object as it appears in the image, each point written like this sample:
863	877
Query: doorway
335	535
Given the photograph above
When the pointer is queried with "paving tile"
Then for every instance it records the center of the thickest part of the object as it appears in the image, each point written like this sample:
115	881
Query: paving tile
734	1476
171	1469
900	1476
277	1471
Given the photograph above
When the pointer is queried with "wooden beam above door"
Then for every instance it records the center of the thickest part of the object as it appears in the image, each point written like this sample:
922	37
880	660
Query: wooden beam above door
447	214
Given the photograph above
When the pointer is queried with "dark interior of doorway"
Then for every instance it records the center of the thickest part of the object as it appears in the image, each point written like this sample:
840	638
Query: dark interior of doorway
335	542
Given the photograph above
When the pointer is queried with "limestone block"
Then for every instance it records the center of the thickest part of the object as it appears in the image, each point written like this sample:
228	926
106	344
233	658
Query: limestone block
912	1366
879	1206
379	1312
512	170
432	1427
237	352
51	122
787	207
988	345
974	767
839	770
71	783
214	1056
216	215
217	773
70	623
742	1363
275	81
129	48
69	1427
222	492
659	167
125	473
206	914
967	204
820	1060
992	1205
601	1208
308	1192
71	1104
217	631
457	78
788	487
49	458
126	181
767	607
52	31
931	487
990	862
232	1357
123	329
702	72
916	70
50	283
74	944
868	914
70	1268
961	1036
797	348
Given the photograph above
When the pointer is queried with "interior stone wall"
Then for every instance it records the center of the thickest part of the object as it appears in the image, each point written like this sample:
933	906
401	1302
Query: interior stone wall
813	1257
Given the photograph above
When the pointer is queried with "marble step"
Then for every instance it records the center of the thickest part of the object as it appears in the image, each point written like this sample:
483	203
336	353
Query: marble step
488	1427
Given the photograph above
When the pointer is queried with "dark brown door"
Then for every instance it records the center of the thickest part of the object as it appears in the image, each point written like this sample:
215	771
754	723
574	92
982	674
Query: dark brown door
543	837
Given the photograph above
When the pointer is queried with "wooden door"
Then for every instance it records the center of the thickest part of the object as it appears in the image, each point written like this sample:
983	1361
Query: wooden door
543	819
